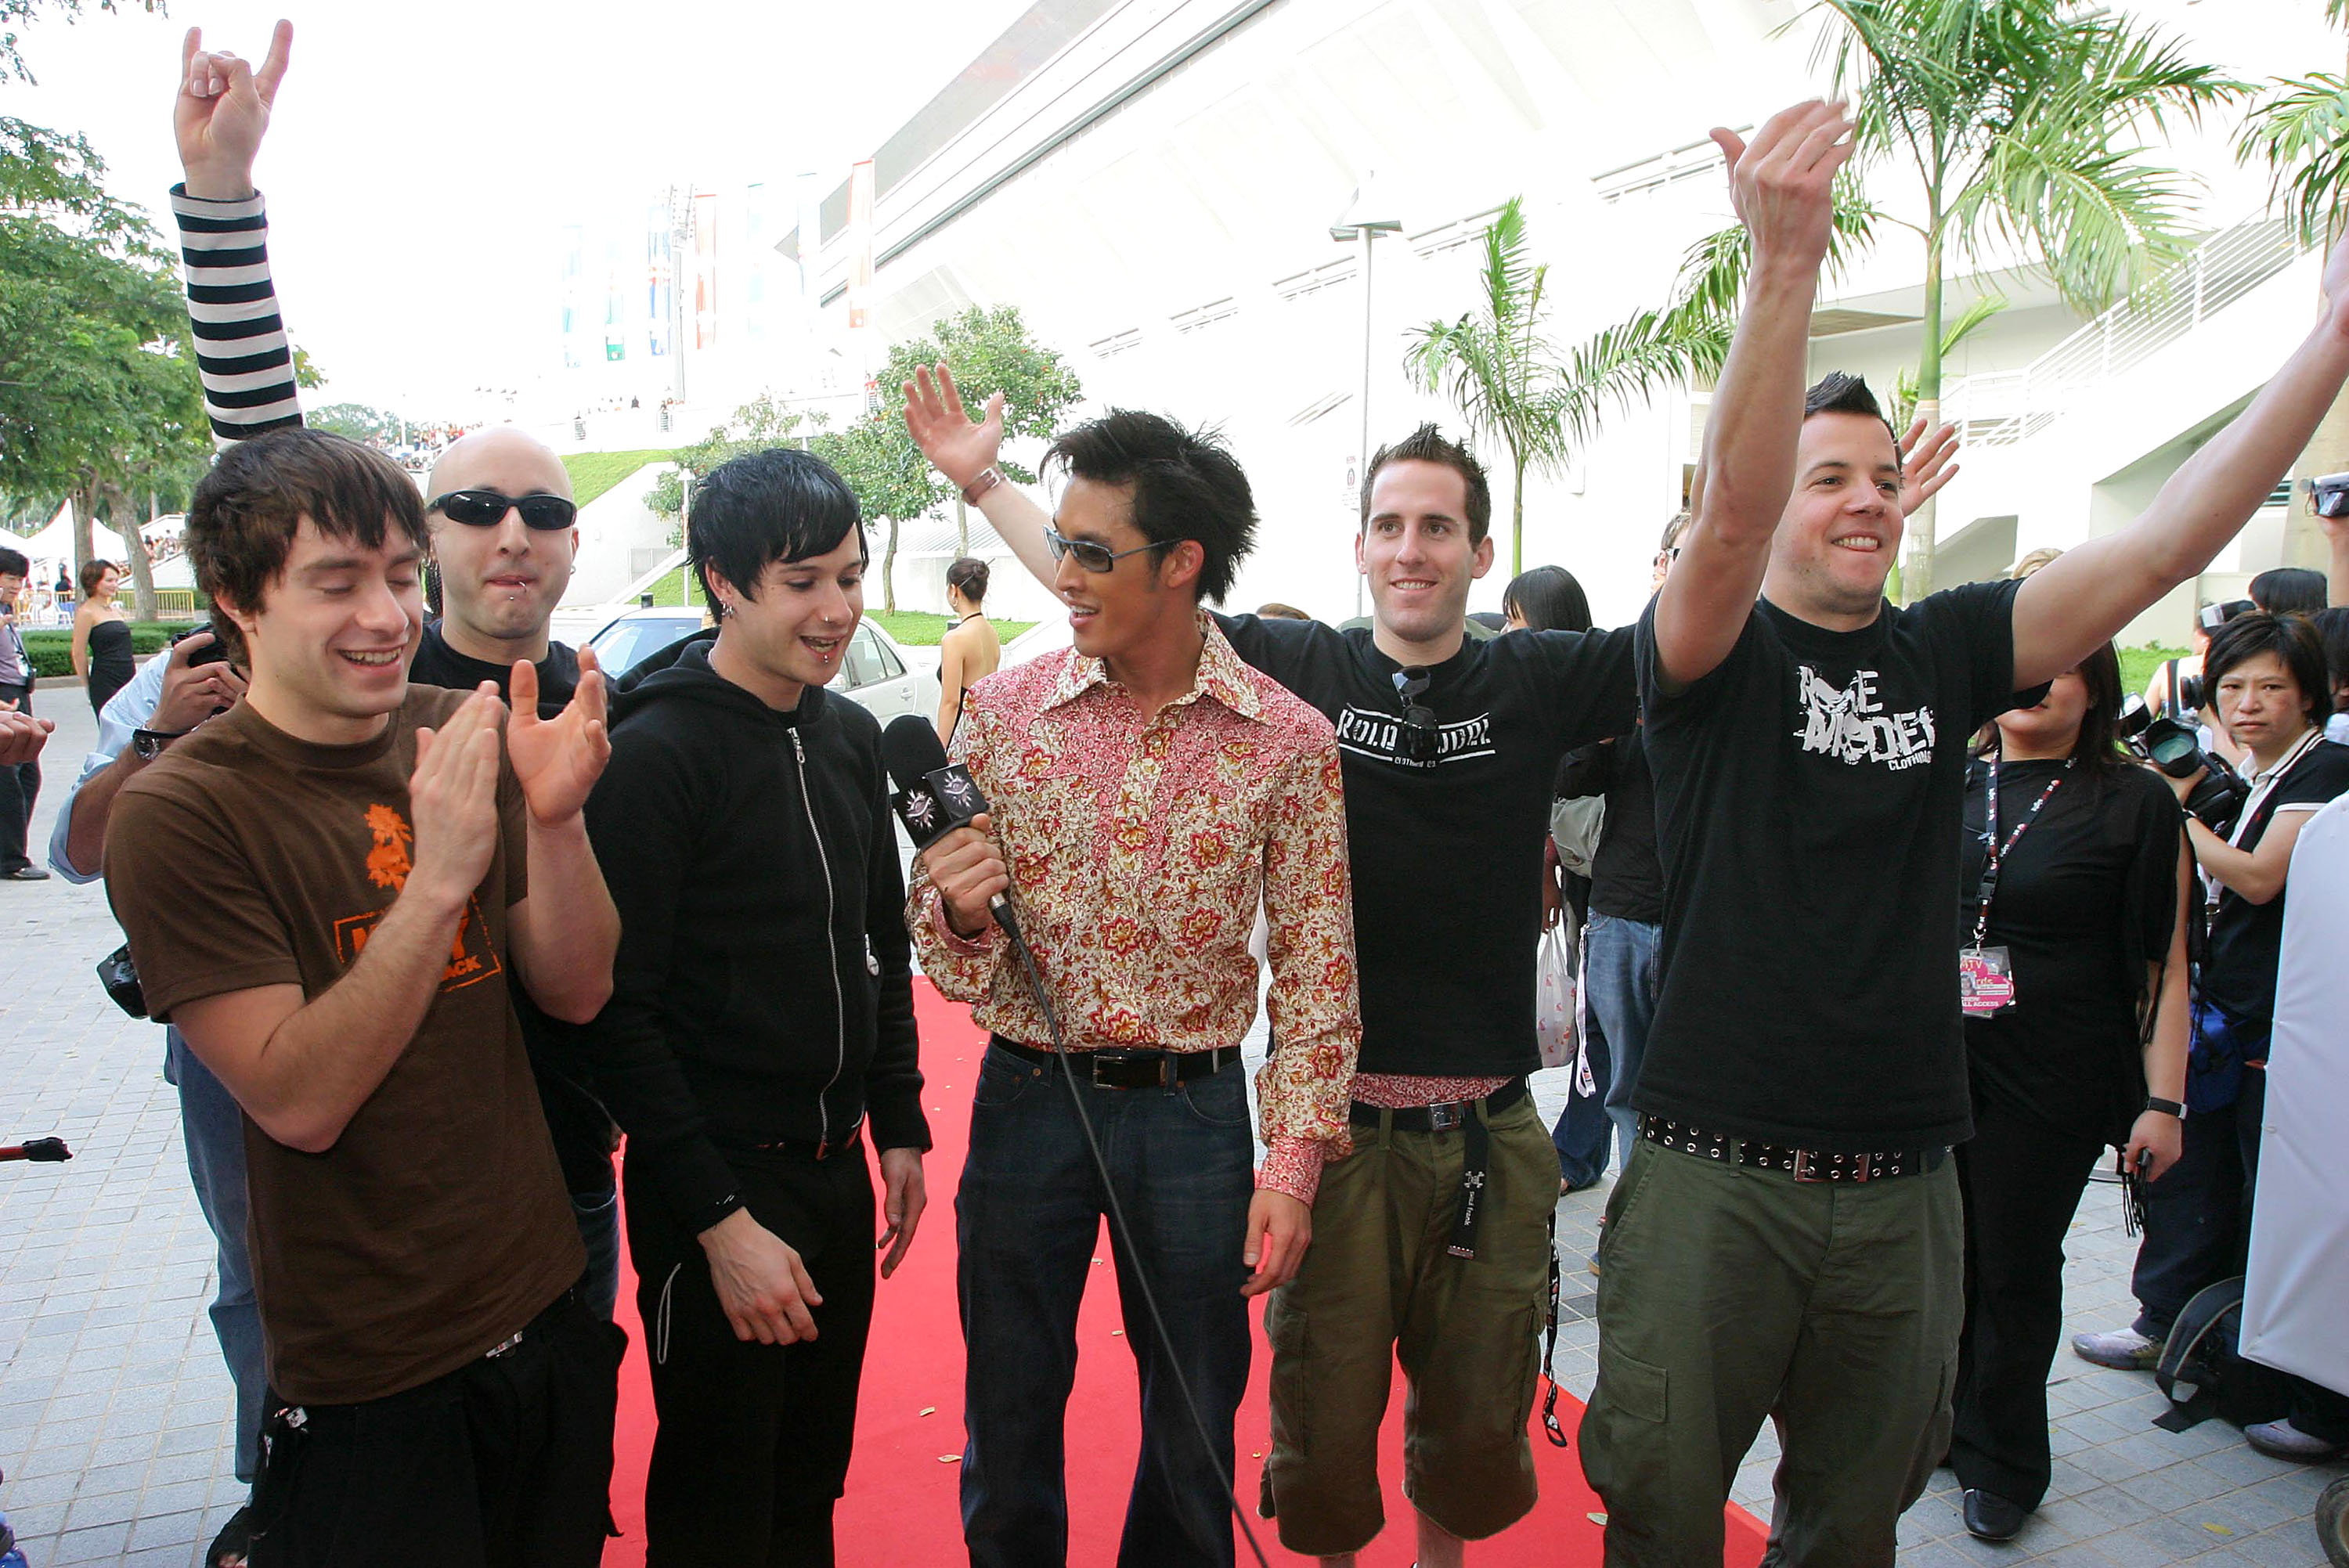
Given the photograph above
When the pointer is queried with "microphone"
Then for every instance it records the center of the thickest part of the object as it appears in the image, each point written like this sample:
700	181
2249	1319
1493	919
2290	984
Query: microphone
934	796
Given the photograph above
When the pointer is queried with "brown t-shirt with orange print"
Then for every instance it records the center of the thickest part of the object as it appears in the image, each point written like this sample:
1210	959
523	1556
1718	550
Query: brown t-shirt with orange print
436	1225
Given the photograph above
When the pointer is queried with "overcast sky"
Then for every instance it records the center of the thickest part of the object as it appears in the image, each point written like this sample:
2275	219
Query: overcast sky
424	153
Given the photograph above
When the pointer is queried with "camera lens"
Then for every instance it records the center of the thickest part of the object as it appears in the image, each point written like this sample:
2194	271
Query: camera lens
2176	753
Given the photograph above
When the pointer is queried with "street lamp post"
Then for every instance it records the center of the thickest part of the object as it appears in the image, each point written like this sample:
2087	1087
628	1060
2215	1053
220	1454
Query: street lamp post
1365	219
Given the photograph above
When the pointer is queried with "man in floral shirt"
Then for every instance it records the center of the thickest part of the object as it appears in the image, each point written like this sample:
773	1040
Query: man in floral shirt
1149	789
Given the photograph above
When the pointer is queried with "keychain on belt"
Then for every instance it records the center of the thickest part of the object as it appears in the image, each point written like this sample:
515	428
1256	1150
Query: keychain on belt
1986	974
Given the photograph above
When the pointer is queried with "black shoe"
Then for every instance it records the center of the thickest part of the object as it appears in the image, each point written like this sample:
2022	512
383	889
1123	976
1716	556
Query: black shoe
26	873
1990	1517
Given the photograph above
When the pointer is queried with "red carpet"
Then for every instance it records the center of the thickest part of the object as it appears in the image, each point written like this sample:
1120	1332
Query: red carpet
902	1509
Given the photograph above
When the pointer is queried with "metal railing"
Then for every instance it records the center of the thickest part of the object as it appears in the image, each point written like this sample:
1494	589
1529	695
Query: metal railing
2002	407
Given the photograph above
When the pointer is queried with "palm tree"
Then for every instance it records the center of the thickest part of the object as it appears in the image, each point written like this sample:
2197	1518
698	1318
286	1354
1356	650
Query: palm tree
2015	117
1502	373
1495	365
2300	129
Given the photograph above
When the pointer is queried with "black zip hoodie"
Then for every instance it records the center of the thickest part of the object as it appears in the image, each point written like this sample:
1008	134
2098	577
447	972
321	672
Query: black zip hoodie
763	990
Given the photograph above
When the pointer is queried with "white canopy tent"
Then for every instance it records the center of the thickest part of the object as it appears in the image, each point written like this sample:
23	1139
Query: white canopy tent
54	544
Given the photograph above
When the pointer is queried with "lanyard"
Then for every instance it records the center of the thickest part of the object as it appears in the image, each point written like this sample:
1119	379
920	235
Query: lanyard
1996	853
2213	889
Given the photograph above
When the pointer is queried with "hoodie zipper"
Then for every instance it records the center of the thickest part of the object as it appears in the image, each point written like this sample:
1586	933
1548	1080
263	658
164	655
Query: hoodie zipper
831	944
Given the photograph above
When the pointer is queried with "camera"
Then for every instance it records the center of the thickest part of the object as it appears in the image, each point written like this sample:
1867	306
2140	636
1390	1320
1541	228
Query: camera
2328	495
121	979
210	652
2176	749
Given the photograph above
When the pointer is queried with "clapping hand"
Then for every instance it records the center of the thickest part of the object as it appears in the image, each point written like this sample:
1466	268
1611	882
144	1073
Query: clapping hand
957	445
453	795
222	111
557	760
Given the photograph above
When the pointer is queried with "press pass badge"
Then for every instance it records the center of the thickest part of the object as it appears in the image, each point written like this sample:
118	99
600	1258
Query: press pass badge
1985	981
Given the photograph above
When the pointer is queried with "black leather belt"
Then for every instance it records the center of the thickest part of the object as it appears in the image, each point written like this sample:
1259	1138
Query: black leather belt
1119	1067
1475	1147
1802	1164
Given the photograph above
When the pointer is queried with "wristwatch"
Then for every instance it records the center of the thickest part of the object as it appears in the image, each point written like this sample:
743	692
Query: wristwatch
148	744
2167	1107
989	477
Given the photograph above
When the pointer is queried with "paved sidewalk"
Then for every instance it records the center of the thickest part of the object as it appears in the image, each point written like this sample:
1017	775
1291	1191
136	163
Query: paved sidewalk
115	1410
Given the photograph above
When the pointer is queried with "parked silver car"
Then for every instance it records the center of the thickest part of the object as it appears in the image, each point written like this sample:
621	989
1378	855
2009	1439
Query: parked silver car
879	672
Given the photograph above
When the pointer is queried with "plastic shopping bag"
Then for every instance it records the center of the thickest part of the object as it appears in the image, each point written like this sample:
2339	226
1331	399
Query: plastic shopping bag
1555	995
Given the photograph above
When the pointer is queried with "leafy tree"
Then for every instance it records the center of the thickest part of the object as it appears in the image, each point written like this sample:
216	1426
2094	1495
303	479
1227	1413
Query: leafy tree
1502	372
2017	119
991	351
360	422
99	393
11	64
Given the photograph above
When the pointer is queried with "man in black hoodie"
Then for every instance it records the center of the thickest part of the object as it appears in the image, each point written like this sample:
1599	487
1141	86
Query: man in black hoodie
761	1015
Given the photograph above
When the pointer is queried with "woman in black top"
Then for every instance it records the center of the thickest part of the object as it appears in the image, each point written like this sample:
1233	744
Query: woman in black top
101	639
2266	675
2076	1039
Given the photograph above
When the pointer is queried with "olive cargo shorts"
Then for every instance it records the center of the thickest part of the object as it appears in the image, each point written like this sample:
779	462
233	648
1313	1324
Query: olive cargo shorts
1378	1284
1727	1294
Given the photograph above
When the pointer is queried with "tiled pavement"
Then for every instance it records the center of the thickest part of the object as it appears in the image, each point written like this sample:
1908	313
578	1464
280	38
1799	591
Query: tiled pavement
115	1412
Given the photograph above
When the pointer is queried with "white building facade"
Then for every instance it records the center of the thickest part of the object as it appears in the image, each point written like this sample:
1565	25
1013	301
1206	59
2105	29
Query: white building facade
1153	182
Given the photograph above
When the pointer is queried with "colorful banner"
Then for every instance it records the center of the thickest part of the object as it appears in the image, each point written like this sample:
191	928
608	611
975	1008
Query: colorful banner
860	244
705	270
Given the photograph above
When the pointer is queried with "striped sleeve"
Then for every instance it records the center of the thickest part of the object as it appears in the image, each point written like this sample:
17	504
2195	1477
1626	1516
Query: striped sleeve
242	351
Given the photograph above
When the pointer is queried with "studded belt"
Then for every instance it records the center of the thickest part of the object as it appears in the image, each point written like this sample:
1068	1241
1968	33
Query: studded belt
1802	1164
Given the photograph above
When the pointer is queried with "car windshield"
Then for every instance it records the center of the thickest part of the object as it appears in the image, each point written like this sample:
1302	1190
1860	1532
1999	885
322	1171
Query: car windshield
624	644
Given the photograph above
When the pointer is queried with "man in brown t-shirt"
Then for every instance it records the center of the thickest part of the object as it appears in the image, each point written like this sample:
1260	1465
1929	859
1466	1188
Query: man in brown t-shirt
325	889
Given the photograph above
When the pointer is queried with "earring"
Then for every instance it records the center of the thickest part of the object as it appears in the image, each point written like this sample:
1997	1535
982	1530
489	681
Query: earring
725	609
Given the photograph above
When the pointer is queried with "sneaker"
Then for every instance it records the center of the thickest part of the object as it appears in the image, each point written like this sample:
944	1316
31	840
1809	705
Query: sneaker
2123	1350
2282	1440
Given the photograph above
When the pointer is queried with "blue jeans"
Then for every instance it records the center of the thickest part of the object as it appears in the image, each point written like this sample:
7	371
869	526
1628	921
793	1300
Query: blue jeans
1620	969
214	1130
1027	1220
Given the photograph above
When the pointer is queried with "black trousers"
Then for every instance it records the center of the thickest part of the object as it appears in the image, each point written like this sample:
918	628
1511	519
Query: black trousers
754	1439
2194	1232
503	1463
2021	1180
20	786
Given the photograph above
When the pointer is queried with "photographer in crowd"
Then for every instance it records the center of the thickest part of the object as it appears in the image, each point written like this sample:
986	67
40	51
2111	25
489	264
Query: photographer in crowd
2074	874
2266	675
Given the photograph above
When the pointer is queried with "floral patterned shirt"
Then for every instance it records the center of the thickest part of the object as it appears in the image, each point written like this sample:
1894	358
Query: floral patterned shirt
1140	848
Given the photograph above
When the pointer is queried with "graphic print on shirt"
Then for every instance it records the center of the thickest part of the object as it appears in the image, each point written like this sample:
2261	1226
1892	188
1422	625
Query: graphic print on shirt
1852	726
471	958
1366	732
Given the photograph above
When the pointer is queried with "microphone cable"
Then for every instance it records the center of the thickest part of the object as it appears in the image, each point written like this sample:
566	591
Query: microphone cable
1120	1228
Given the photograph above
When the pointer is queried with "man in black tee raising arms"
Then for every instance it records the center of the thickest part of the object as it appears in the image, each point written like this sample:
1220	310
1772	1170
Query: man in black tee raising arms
1786	1240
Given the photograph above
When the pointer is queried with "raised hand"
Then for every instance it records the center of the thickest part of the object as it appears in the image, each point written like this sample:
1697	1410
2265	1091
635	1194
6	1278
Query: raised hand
452	798
957	445
1928	462
222	111
557	760
1783	183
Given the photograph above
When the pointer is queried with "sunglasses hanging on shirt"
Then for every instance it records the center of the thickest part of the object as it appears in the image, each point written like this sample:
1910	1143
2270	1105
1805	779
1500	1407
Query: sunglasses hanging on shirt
1419	739
542	512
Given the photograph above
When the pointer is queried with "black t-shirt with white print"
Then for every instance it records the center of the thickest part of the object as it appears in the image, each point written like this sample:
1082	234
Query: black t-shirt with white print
1447	854
1807	813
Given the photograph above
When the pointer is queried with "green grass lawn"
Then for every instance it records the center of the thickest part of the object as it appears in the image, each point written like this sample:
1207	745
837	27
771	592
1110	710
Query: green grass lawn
592	473
913	628
2137	665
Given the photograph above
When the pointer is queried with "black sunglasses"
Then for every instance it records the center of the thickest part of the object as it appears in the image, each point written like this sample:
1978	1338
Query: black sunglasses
488	508
1420	738
1093	557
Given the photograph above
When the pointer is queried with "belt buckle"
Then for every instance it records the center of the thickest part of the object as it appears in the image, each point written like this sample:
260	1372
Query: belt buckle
1807	1166
1446	1116
507	1344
